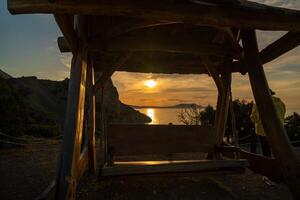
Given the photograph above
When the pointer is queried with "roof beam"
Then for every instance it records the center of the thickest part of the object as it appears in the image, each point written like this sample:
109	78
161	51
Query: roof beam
162	44
168	45
238	14
166	64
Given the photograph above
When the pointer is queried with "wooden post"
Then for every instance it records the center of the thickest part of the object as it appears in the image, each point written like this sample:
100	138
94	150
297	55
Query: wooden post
91	116
69	170
223	106
73	128
277	137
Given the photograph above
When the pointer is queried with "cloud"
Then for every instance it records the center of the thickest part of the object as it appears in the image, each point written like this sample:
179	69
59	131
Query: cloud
65	59
292	4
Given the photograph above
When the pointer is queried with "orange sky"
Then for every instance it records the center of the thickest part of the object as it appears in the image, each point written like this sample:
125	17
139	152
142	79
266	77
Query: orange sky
283	75
34	52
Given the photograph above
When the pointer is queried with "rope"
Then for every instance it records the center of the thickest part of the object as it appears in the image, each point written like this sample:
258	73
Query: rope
14	143
9	136
30	142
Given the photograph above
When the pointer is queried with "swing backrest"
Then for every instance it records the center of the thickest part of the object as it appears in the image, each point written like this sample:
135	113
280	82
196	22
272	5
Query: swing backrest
127	140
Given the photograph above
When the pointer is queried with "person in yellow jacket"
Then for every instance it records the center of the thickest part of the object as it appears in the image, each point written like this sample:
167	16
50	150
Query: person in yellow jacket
259	130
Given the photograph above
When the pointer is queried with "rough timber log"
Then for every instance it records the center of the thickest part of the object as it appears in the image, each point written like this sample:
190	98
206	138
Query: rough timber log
91	116
162	63
275	49
136	44
238	14
223	105
69	169
280	47
282	149
109	72
73	128
66	26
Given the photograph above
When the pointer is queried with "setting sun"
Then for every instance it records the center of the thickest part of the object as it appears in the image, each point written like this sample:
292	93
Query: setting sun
150	83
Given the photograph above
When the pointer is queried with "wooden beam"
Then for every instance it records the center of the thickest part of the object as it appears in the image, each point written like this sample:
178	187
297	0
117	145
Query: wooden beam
63	45
281	147
73	127
222	108
109	72
126	27
196	166
166	64
83	162
263	165
135	44
214	73
67	28
70	153
239	14
284	44
276	49
91	117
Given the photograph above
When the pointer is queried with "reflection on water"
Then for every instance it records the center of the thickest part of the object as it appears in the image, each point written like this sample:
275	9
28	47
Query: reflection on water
161	162
151	114
162	115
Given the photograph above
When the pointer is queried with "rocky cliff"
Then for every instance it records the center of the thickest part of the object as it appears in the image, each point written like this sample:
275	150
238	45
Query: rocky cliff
34	106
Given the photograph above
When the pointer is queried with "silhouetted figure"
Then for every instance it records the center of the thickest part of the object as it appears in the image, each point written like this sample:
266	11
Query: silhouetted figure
259	130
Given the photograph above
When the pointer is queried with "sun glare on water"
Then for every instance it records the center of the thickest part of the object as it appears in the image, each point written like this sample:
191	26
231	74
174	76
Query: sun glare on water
150	83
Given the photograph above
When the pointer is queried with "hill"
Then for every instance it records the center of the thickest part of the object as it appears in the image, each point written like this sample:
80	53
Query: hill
32	106
4	75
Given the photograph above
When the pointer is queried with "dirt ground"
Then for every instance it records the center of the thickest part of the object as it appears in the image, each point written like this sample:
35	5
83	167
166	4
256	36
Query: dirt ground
26	172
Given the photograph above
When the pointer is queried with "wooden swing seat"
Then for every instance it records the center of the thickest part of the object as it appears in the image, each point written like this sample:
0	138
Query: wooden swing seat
163	144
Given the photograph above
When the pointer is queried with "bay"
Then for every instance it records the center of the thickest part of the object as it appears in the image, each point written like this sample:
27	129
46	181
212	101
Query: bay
162	115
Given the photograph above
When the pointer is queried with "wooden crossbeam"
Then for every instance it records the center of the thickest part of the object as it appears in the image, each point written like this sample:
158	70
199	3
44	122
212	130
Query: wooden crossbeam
238	14
162	44
67	28
280	47
109	72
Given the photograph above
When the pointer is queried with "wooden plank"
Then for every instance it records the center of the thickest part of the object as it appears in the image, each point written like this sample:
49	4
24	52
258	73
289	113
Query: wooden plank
70	152
159	139
91	117
66	26
197	166
241	14
281	147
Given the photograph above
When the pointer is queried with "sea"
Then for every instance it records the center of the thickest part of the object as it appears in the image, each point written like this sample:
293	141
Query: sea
162	115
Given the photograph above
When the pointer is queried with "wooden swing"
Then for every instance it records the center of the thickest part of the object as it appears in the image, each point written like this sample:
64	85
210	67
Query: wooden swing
180	36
